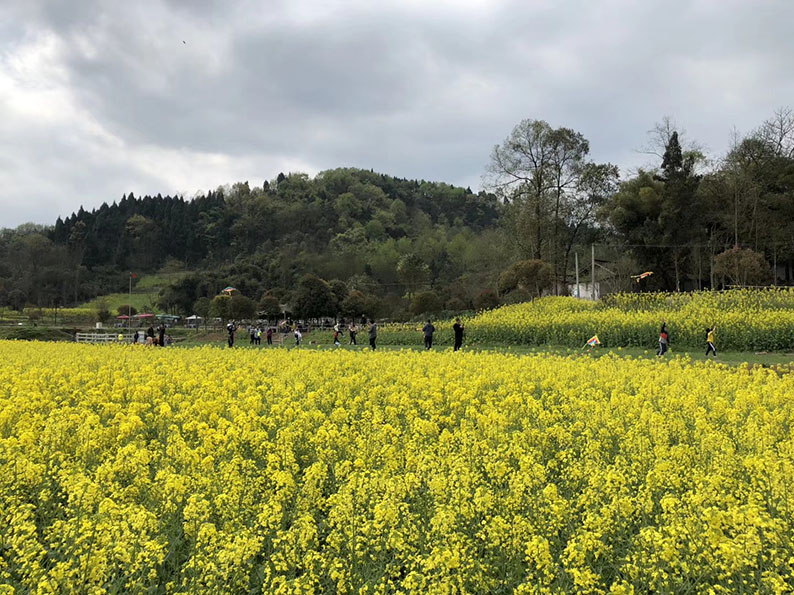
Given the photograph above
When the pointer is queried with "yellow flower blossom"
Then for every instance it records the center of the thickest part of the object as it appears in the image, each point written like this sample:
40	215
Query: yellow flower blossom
207	470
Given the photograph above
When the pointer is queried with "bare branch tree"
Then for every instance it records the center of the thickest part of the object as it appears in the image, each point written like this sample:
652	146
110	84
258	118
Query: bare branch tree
539	170
778	132
659	137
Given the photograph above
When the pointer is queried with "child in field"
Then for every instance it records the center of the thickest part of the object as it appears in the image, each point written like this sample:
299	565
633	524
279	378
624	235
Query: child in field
710	341
298	336
663	340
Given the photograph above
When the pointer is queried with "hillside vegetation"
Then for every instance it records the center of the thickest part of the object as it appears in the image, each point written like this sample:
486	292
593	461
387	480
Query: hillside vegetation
397	248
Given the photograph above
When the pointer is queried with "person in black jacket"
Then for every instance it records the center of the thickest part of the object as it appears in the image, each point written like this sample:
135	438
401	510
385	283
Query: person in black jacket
373	334
428	331
457	328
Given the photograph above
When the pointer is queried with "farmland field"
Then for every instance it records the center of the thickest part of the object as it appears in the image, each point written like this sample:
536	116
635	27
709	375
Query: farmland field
747	320
132	469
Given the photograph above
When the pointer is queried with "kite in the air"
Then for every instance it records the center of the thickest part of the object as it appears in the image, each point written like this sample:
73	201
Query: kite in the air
593	341
642	276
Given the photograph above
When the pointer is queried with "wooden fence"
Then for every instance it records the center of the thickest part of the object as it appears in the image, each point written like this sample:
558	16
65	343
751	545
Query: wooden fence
103	337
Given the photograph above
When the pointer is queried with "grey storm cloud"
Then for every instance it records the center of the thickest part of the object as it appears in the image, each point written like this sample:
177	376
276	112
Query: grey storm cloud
171	96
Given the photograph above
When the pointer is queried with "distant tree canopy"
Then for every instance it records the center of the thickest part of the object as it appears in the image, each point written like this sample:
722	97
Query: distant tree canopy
674	219
269	307
742	267
377	241
339	225
426	302
314	298
532	276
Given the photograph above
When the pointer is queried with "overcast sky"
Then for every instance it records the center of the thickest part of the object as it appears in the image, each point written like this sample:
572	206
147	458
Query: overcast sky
100	98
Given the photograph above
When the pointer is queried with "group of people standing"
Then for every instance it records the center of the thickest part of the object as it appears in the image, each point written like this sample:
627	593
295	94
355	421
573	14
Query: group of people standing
353	330
149	338
664	340
428	330
255	333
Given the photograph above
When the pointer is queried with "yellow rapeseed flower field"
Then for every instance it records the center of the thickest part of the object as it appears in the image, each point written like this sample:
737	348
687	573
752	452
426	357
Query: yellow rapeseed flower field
127	469
747	320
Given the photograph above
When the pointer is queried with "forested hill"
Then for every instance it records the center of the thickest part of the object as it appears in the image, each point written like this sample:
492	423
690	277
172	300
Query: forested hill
348	224
399	247
338	208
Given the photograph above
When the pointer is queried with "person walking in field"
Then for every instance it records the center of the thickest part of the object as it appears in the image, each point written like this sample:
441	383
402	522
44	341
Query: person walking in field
298	337
352	330
269	335
428	329
231	328
336	335
710	341
457	328
663	340
161	335
373	334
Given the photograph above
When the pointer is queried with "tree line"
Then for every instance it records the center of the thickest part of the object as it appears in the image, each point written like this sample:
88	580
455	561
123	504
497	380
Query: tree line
352	239
695	221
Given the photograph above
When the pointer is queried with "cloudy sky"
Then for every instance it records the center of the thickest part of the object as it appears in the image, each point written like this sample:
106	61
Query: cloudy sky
100	98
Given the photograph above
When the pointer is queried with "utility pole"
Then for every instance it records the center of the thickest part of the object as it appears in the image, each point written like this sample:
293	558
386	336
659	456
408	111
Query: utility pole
592	270
129	306
576	260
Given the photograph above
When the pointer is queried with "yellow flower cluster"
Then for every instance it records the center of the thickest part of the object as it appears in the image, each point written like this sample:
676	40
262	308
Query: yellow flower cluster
229	471
748	320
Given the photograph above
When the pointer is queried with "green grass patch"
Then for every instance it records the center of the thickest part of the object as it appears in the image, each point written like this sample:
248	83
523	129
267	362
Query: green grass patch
37	333
322	341
144	293
157	281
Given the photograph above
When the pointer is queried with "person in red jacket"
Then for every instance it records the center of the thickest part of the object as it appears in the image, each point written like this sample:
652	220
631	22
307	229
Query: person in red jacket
663	340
